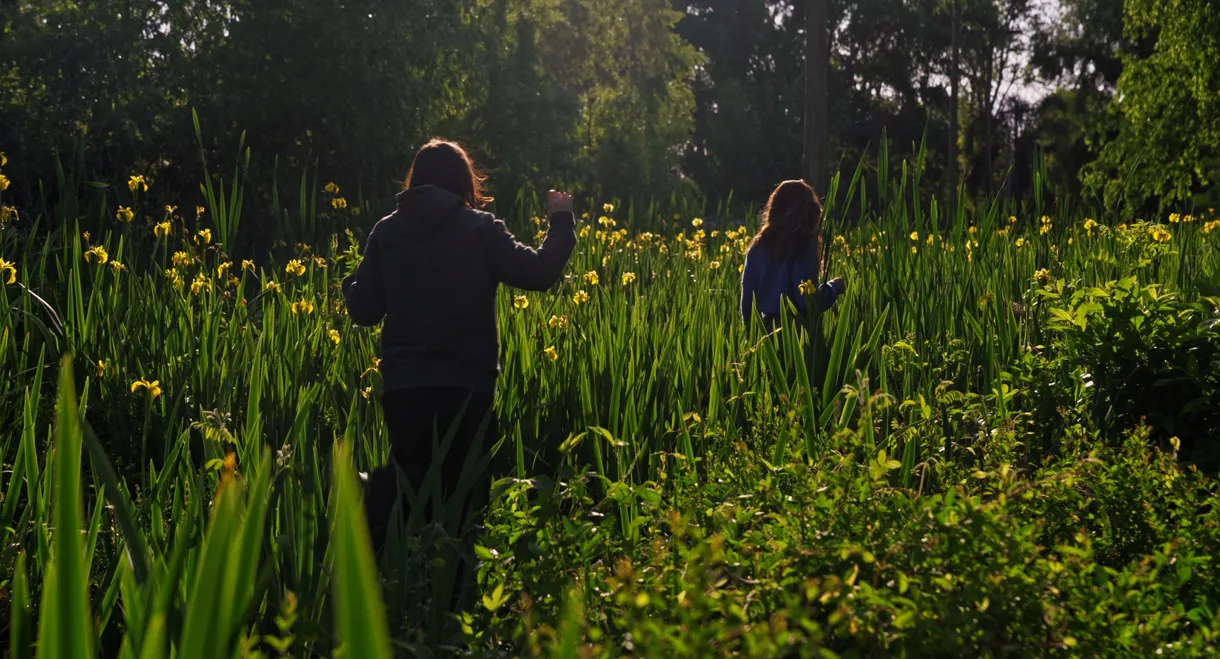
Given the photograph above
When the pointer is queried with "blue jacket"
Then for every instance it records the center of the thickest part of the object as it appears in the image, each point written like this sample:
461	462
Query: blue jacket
766	281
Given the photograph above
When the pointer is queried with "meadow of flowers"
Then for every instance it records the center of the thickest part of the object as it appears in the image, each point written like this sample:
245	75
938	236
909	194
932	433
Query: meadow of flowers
999	442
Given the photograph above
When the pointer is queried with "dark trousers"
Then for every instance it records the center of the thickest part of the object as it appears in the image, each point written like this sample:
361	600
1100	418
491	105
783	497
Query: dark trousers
416	419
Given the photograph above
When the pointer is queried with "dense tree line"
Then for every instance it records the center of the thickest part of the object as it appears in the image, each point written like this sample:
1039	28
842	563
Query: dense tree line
620	97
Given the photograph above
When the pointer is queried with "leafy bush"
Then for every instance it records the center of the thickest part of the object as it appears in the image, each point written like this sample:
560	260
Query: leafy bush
1144	355
1102	553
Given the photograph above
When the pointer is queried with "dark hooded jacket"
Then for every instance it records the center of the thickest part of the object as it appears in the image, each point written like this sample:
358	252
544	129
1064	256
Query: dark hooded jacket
431	270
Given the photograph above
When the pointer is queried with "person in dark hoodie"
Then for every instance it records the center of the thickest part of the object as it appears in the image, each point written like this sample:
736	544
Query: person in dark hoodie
784	261
430	273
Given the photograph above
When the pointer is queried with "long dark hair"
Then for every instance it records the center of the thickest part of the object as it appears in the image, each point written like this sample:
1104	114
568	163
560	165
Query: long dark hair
447	166
791	221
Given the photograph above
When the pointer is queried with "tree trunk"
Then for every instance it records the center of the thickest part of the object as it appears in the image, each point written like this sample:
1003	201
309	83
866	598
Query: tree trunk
991	98
953	111
817	54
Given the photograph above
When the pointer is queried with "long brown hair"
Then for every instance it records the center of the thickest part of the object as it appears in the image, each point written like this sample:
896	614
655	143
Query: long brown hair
446	165
791	221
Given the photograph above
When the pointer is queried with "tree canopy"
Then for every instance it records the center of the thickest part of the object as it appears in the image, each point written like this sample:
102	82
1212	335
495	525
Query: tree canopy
643	98
1168	144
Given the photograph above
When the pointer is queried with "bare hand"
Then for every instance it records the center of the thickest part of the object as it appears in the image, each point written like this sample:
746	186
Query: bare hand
558	202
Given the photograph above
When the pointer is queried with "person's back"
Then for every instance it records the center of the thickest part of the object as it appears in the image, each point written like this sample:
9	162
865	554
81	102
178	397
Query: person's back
431	270
770	281
784	260
440	264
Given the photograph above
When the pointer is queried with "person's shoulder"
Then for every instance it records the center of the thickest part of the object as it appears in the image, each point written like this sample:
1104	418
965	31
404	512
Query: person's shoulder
485	223
757	249
480	215
475	223
397	216
385	224
474	217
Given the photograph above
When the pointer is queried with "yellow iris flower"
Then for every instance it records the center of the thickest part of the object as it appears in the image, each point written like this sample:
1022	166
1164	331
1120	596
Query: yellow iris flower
10	270
97	255
200	285
153	388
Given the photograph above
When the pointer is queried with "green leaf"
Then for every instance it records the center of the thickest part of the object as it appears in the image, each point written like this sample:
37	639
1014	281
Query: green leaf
204	626
154	638
65	624
359	612
19	611
495	599
124	511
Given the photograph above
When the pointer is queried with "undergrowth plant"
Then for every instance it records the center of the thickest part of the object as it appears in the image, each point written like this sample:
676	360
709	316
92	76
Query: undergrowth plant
994	444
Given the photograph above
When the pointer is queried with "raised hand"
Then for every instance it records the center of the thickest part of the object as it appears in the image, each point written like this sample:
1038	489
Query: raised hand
558	202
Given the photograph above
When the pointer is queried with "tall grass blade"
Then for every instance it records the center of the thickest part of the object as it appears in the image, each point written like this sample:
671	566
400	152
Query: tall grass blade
359	613
65	624
124	511
19	612
206	614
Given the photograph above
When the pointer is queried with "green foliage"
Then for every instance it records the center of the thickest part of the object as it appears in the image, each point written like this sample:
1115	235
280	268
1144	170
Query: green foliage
65	626
621	99
749	93
360	615
1147	357
920	471
593	94
1101	550
1165	151
1083	43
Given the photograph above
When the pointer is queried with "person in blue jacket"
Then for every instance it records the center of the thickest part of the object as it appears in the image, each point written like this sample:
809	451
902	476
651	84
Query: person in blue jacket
784	261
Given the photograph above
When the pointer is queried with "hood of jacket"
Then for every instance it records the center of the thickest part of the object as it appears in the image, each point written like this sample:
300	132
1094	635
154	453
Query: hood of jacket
425	208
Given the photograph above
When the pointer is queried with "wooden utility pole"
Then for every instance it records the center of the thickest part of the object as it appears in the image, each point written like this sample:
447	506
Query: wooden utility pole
817	55
953	109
